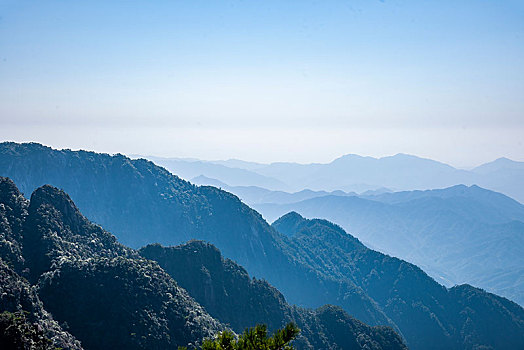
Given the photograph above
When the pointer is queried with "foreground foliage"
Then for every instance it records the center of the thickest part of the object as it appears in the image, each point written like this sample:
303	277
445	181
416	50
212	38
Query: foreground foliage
255	338
17	333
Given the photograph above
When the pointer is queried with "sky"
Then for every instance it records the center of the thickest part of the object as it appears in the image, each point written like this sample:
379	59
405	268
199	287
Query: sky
303	81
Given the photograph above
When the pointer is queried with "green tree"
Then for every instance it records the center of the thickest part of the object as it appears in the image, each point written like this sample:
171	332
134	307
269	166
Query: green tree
255	338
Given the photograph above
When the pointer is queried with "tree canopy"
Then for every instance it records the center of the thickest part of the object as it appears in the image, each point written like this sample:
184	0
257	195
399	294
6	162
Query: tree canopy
254	338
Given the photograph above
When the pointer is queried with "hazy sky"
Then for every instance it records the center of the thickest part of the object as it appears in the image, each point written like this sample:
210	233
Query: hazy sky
266	80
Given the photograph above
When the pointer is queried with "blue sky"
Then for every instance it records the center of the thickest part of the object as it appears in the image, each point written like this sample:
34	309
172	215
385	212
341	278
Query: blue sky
266	80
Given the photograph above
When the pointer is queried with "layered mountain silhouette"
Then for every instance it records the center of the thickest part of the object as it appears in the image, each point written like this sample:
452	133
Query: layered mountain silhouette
354	173
458	234
110	297
253	195
142	203
190	168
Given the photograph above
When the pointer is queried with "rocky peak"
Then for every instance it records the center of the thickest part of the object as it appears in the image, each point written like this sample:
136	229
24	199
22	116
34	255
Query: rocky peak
53	197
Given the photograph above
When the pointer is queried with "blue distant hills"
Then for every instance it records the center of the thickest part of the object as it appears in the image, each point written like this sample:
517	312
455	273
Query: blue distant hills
354	173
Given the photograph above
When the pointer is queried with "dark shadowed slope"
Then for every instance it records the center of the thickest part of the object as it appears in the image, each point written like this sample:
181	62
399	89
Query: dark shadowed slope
106	294
23	319
123	303
230	295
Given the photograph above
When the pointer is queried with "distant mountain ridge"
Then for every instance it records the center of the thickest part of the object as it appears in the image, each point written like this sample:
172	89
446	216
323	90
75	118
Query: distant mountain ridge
135	197
499	164
189	169
354	173
256	195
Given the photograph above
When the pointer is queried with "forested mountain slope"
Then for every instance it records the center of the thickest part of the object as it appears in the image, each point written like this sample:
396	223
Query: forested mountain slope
230	295
110	297
413	300
458	235
142	203
105	293
23	319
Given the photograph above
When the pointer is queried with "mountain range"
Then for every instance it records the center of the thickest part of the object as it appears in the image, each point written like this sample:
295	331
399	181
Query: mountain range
354	173
314	264
458	235
257	195
402	289
461	234
67	283
190	168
